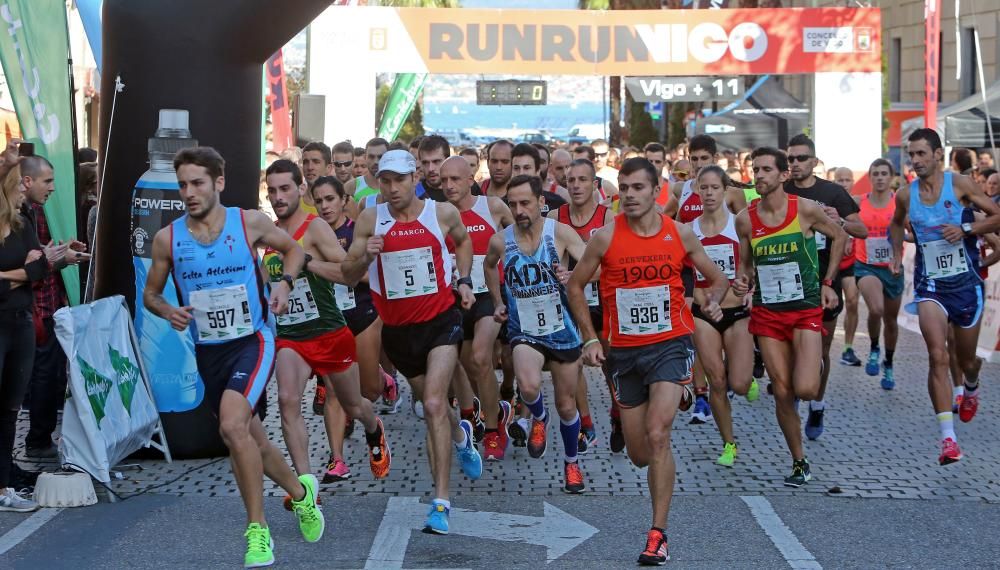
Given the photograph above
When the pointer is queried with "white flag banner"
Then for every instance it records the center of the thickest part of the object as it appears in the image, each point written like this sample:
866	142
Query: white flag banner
109	412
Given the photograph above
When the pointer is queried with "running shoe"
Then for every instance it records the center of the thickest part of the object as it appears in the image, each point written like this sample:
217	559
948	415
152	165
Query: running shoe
11	501
503	422
950	452
437	519
957	403
617	440
758	365
848	358
656	552
536	440
468	455
871	367
518	432
493	449
311	521
753	392
801	474
728	456
687	399
390	395
287	502
379	455
730	394
888	382
967	409
814	423
319	398
418	408
588	437
478	426
702	411
260	547
348	427
336	470
574	478
581	443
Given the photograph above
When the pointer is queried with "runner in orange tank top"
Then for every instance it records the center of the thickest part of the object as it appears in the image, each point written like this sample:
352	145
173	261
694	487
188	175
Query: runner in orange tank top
641	255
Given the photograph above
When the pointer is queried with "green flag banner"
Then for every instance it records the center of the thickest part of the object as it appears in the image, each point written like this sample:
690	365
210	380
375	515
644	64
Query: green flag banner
34	52
405	91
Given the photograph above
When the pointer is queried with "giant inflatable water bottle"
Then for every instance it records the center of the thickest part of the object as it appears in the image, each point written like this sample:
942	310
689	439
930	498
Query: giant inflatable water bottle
168	354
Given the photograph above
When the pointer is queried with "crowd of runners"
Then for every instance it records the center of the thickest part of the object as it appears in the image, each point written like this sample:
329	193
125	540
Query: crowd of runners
470	274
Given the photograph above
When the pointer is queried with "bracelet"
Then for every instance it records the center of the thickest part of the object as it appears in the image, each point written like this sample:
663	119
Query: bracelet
590	342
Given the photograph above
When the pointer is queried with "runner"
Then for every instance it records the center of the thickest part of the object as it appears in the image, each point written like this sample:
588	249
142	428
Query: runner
585	215
607	188
656	153
844	178
640	255
366	185
715	228
498	161
312	335
881	289
483	216
363	322
360	162
526	161
210	254
946	288
343	162
317	160
432	152
842	209
401	243
559	166
600	160
778	233
533	304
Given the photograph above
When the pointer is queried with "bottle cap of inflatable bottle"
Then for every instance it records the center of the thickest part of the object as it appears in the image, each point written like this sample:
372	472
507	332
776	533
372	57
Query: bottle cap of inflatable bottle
171	136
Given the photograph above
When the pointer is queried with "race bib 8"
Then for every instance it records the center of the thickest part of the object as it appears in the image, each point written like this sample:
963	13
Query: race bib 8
222	314
541	315
943	259
409	273
301	305
780	283
644	310
724	257
344	296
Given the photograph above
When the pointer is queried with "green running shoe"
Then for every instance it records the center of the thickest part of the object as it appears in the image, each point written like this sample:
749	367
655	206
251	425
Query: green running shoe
753	392
311	521
260	547
728	456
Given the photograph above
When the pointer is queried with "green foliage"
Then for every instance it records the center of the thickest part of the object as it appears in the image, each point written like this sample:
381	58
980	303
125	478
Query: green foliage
640	126
414	125
676	133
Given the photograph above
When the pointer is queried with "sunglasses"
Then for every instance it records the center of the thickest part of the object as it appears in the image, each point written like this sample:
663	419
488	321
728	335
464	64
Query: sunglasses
799	157
344	164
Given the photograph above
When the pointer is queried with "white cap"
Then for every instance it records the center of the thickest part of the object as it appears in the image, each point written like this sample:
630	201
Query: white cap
398	161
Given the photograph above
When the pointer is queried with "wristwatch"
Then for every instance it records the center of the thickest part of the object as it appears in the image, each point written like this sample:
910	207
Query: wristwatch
828	283
289	280
467	281
967	228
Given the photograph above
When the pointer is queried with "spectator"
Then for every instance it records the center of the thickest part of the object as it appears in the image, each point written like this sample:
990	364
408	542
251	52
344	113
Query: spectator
993	186
961	160
21	263
983	177
986	159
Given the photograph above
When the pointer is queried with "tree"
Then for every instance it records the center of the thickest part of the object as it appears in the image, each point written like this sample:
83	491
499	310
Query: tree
640	126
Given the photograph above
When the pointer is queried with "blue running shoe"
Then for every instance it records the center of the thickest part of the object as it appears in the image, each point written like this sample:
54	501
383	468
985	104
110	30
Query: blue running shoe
468	455
871	367
702	411
888	382
814	424
437	519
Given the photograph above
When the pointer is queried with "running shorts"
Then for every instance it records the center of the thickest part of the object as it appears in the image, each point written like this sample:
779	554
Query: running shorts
782	324
729	316
964	307
687	277
329	353
892	285
632	369
838	288
361	317
564	356
408	346
243	365
483	308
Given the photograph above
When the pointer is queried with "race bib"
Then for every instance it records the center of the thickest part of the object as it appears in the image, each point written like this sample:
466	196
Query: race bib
943	259
724	257
301	305
542	315
820	241
592	294
222	314
409	273
780	283
878	250
478	273
344	296
643	311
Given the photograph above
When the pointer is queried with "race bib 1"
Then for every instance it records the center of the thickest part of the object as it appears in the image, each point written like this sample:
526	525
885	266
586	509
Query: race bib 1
643	311
222	314
344	296
724	257
592	294
301	305
541	315
780	283
878	250
409	273
943	259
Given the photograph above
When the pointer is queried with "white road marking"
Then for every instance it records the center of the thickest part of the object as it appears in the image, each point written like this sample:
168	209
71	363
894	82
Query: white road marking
784	540
28	526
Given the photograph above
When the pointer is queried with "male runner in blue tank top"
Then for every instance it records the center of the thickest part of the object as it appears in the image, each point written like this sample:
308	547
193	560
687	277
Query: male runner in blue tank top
211	254
946	287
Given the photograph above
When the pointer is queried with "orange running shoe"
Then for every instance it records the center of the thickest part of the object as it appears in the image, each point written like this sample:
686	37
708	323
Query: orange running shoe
536	439
656	552
574	479
379	456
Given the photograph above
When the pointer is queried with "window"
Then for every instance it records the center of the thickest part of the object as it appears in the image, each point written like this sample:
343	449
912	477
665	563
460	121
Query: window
970	64
895	69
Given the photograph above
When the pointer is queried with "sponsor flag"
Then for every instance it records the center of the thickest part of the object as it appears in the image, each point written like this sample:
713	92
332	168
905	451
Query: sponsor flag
90	15
34	50
277	99
403	96
932	57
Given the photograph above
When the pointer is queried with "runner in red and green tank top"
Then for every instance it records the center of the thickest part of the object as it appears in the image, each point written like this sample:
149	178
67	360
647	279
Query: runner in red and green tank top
778	247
